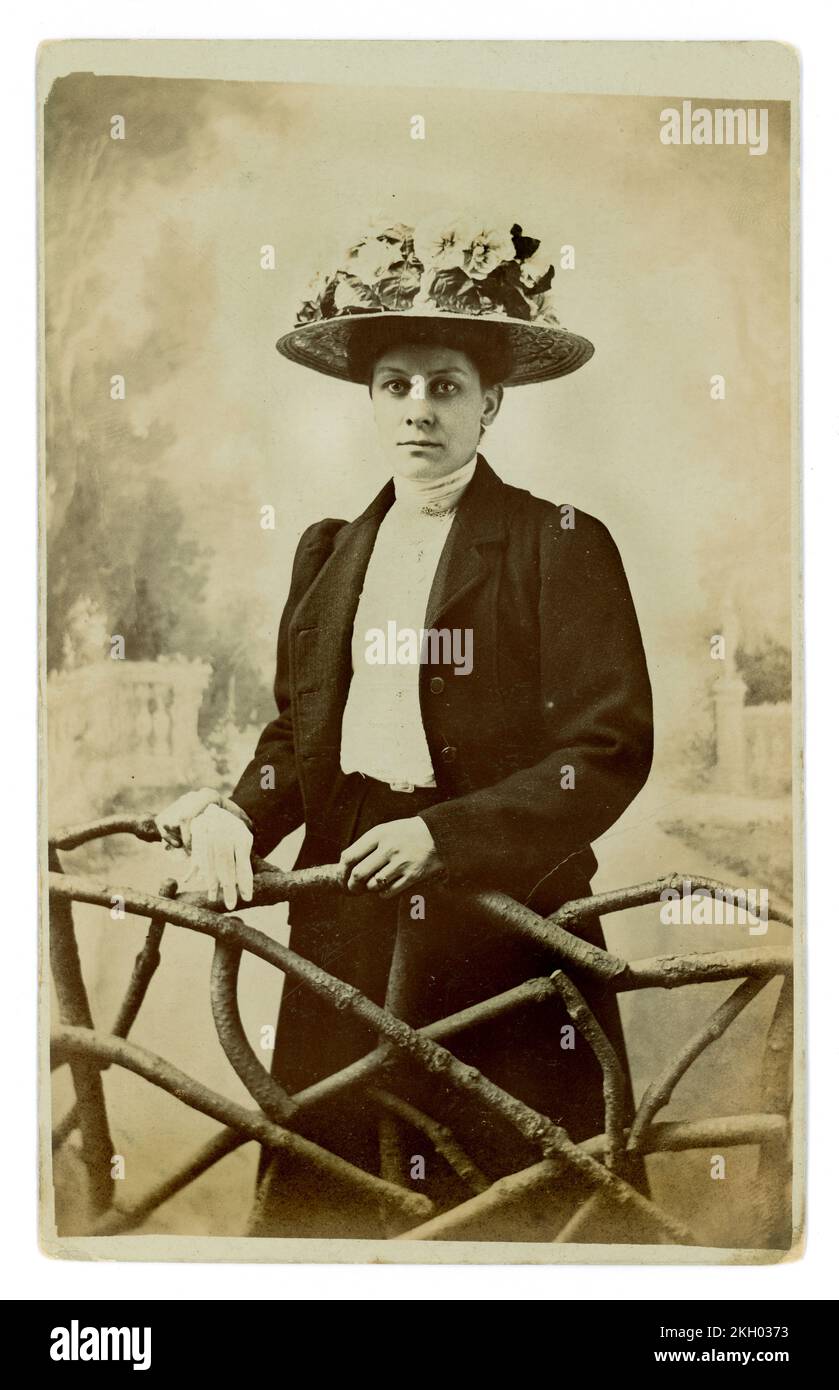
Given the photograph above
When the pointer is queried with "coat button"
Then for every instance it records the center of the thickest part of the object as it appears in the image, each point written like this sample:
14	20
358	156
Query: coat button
448	754
437	684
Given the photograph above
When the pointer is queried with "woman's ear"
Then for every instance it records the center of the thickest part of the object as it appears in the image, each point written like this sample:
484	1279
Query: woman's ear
493	396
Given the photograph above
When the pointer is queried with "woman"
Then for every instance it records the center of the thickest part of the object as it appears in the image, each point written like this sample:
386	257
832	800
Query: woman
462	697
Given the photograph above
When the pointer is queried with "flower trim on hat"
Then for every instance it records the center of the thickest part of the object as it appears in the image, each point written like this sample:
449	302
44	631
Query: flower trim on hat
442	268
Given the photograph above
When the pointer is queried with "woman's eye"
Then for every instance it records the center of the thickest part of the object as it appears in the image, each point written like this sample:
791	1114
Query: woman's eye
395	388
445	388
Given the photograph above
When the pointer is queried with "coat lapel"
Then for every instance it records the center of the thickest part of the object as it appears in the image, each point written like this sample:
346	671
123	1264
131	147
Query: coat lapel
477	528
331	600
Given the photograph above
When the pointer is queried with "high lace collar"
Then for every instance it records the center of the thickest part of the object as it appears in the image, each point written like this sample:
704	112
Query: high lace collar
434	496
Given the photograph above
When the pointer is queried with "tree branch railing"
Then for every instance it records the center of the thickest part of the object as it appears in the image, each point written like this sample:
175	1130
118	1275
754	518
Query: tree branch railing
599	1165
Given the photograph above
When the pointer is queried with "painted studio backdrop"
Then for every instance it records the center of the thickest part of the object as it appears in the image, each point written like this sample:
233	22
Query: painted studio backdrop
175	256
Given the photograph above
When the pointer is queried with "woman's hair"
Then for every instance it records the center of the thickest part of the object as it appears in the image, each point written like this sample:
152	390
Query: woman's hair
485	344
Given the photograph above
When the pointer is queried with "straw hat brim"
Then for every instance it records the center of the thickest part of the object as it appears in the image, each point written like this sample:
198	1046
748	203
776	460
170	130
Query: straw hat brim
539	352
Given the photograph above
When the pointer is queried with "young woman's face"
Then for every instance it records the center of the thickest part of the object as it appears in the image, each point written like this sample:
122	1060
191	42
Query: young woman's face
429	406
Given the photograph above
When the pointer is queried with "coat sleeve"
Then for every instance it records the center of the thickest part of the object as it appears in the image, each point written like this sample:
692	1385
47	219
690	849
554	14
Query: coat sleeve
268	790
596	710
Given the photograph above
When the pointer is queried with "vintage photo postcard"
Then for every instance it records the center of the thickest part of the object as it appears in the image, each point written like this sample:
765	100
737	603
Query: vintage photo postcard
421	652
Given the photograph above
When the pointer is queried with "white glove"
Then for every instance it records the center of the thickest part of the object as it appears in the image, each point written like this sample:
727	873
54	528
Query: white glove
218	836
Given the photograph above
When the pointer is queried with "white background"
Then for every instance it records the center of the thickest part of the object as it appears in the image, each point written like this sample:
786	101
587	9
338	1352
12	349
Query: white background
25	1272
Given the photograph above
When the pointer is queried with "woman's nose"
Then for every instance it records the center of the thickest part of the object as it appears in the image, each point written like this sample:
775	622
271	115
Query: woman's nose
418	413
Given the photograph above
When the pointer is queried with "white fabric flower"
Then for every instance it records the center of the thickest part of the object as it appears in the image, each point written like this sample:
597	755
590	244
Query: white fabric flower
372	258
488	248
440	245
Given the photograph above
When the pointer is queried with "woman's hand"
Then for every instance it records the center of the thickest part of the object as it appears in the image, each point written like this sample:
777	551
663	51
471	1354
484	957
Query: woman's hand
221	856
175	822
218	837
391	857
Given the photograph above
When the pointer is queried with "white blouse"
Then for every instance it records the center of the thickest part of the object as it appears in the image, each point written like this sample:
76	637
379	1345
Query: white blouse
382	733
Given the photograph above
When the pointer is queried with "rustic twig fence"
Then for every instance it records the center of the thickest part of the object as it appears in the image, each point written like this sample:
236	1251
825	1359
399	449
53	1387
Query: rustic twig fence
599	1163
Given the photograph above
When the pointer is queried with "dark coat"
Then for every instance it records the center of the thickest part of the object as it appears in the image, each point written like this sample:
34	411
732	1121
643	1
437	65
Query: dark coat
559	682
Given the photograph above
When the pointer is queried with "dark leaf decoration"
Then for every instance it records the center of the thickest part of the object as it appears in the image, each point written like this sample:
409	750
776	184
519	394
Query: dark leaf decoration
398	290
503	286
525	246
309	311
355	309
327	299
453	290
363	296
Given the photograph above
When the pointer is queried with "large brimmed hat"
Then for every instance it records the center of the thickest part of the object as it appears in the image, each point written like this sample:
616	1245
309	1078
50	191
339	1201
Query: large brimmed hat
446	273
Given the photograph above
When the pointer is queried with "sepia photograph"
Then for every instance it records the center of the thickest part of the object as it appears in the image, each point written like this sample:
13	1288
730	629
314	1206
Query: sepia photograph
420	652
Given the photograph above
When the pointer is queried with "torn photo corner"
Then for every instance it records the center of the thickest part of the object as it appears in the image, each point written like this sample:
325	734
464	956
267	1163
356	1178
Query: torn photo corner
421	791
